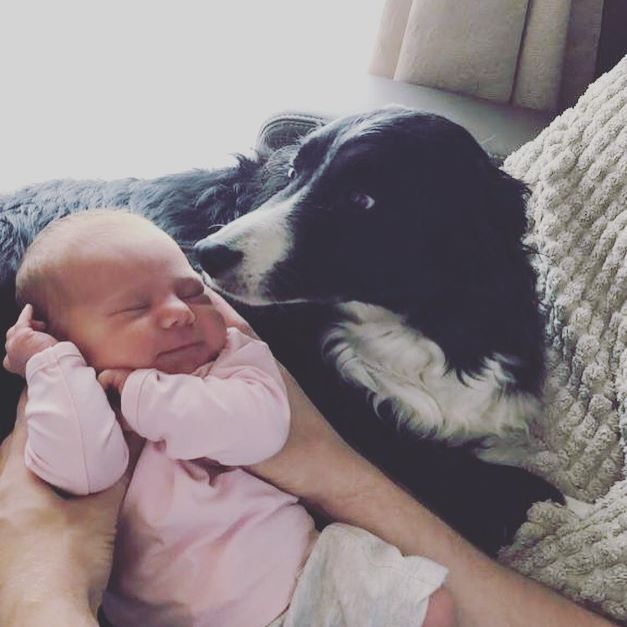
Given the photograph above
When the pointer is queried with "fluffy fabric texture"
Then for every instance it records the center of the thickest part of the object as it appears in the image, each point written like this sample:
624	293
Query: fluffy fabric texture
577	169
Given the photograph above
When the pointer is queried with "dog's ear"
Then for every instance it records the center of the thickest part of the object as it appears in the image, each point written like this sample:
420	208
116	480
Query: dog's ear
507	203
465	174
486	197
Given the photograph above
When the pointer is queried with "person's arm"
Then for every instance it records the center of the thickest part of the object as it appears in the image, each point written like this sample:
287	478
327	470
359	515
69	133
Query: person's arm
74	440
318	466
236	414
40	573
55	553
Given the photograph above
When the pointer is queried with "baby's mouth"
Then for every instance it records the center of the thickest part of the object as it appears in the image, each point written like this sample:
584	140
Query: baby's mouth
182	359
181	348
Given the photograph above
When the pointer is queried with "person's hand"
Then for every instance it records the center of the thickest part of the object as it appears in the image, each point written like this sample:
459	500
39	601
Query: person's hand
25	339
231	317
314	455
56	553
114	378
319	467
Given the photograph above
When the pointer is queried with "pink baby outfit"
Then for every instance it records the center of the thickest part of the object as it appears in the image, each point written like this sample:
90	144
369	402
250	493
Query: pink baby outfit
200	541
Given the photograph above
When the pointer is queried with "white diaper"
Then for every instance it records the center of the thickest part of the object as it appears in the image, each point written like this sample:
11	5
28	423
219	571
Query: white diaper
354	579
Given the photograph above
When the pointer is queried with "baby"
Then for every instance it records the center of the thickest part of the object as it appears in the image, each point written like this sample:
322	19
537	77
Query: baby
200	540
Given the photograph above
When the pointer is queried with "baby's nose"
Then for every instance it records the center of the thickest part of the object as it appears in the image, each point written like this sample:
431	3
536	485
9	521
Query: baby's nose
176	312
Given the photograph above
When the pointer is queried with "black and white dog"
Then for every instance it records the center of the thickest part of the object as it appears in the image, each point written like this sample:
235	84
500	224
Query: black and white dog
400	226
400	221
389	243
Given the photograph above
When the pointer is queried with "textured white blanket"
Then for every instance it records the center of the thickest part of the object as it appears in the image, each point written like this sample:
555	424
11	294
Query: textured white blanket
577	169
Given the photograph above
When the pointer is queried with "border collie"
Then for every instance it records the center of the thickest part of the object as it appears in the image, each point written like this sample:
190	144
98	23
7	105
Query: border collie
399	221
389	242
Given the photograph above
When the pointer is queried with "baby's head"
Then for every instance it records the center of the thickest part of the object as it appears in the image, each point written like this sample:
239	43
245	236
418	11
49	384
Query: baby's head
122	290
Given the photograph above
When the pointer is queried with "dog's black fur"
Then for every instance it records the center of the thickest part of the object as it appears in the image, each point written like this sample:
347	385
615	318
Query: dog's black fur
485	502
441	247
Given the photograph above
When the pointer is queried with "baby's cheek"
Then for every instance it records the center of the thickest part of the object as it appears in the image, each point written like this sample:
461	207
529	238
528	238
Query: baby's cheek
132	345
215	331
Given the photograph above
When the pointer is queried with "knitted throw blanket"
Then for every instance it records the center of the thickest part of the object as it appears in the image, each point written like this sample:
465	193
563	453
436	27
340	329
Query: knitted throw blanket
577	170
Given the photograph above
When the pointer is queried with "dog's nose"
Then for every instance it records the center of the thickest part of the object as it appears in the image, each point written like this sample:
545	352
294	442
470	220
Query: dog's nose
216	258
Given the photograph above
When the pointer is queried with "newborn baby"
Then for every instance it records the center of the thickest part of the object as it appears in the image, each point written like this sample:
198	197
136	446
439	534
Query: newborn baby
200	540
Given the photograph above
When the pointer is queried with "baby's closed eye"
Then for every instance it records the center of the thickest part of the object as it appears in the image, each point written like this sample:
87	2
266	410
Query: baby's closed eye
135	307
198	296
132	311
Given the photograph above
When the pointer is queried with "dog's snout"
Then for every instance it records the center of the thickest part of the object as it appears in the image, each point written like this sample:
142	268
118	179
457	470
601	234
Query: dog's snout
215	258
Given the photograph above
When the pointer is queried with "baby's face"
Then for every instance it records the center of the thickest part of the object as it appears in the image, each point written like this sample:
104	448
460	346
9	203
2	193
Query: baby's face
142	306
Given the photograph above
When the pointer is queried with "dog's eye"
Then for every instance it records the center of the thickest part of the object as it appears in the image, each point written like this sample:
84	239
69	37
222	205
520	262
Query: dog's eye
361	200
291	174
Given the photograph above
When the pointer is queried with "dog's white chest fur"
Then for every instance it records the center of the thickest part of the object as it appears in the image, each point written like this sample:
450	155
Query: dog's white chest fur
373	348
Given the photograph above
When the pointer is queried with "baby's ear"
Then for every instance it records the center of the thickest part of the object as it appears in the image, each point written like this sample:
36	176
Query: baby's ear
54	326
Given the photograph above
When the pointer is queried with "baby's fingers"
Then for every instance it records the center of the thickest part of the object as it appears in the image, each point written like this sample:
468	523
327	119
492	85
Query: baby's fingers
25	317
106	378
9	366
25	321
113	378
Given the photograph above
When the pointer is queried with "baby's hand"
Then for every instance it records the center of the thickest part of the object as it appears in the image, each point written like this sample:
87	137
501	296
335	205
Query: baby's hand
25	339
114	378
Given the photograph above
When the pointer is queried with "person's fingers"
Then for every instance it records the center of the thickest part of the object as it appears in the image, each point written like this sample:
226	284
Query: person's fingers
6	363
231	316
38	325
221	304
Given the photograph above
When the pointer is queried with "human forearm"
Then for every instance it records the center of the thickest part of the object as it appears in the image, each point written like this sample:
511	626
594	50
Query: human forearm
55	553
318	466
45	556
485	594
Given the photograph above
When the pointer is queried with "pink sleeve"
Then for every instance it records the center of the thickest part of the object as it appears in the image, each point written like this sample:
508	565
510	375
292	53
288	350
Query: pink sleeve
74	441
237	415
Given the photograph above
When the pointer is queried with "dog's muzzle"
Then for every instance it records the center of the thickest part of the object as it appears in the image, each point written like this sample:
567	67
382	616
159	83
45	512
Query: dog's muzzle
216	258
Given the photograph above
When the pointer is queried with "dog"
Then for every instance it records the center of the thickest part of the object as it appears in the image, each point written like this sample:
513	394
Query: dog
391	244
400	222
